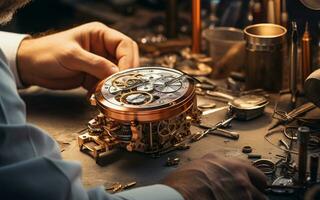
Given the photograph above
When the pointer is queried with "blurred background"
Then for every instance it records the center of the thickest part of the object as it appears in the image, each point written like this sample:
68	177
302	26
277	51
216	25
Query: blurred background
151	21
44	15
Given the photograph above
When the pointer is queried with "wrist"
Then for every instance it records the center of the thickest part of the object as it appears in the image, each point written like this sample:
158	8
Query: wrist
24	62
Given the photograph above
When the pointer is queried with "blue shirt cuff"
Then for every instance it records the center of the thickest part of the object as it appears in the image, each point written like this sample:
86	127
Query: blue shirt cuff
154	192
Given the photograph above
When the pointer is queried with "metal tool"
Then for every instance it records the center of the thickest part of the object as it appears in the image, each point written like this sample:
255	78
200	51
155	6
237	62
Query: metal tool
210	130
306	54
220	132
293	63
289	117
303	138
172	161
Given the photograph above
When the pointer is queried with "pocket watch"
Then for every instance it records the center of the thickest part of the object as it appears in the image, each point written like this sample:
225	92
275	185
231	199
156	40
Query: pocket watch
146	109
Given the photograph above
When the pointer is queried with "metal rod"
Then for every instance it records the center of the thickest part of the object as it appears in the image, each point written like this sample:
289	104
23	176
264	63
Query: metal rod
306	54
196	26
303	138
293	62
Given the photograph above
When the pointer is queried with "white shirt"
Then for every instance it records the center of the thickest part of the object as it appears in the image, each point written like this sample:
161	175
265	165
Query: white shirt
9	43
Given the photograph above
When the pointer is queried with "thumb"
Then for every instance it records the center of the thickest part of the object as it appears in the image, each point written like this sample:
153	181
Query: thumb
93	64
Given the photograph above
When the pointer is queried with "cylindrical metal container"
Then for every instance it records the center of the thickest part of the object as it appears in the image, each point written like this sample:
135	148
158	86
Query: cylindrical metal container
265	56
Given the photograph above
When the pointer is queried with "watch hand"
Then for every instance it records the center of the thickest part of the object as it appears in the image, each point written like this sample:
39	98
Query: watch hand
132	86
173	80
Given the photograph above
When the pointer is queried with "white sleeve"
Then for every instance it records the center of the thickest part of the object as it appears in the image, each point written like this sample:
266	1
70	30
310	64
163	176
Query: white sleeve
9	43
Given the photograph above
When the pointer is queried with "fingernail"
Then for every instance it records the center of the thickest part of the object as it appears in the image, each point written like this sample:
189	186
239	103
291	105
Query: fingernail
115	69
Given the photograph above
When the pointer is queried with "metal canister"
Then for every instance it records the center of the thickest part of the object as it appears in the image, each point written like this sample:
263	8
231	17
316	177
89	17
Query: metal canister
265	56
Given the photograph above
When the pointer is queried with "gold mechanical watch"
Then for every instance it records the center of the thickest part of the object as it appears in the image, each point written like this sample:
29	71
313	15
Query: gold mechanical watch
146	109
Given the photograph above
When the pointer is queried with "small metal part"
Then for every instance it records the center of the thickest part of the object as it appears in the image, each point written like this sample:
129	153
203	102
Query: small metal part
254	156
246	149
114	185
172	161
303	138
314	165
129	185
282	184
207	105
284	143
266	166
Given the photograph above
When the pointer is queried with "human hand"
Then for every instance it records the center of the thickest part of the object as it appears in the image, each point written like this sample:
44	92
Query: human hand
77	57
214	177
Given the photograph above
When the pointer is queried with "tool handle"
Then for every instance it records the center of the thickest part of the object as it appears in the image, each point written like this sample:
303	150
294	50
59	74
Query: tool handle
228	134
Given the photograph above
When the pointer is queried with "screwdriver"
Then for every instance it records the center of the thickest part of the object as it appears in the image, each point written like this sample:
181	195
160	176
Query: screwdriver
218	126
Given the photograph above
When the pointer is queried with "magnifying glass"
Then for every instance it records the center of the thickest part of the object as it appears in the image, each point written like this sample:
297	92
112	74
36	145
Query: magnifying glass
311	4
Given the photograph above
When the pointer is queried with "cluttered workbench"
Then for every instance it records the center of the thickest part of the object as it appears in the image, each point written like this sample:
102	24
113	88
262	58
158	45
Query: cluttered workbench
122	166
64	113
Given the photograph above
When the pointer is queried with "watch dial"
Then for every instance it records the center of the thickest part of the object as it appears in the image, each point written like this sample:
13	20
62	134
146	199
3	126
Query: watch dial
145	87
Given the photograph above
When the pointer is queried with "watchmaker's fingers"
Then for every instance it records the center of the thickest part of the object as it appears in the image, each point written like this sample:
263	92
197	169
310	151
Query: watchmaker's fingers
92	64
123	48
136	58
125	54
